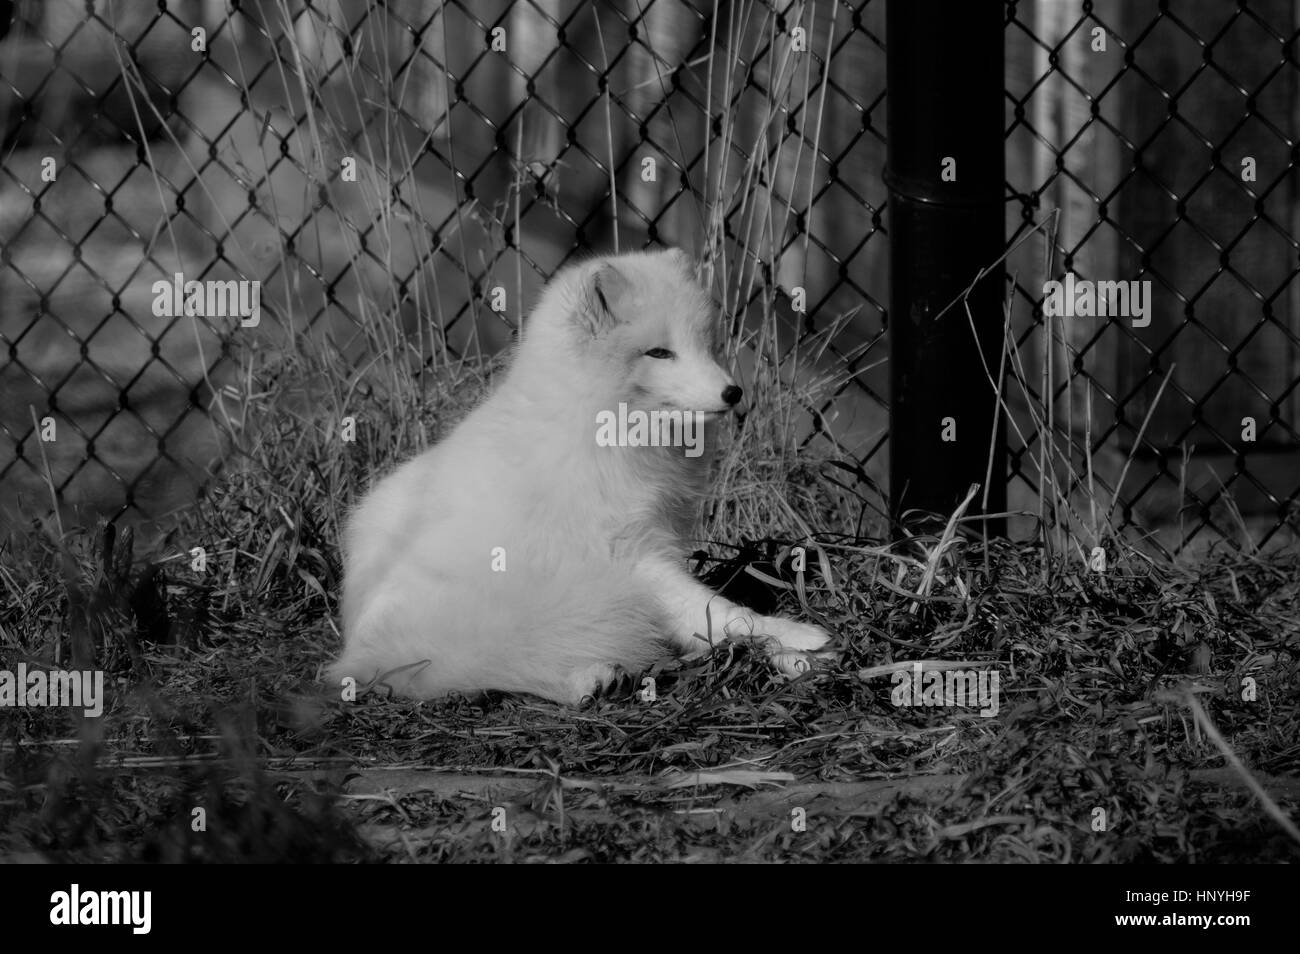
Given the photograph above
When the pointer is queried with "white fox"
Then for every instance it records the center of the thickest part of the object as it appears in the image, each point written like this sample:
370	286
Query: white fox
524	554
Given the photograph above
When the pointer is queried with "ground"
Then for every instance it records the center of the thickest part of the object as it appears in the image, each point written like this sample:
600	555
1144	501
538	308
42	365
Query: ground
1148	713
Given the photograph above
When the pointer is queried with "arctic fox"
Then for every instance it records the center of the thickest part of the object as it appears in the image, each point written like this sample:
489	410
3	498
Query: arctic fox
538	549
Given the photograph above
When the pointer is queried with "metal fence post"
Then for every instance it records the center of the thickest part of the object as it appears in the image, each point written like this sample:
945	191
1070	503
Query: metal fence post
946	174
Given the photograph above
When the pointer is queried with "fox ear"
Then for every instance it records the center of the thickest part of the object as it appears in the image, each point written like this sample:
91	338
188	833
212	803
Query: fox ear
606	299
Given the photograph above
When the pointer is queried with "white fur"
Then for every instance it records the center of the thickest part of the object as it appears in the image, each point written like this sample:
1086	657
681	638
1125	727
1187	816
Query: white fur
594	579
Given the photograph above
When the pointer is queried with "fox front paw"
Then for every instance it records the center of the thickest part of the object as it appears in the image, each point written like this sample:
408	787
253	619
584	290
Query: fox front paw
793	648
788	634
790	663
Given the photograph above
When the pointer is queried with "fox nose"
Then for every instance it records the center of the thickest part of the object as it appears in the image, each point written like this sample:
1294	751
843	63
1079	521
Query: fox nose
731	394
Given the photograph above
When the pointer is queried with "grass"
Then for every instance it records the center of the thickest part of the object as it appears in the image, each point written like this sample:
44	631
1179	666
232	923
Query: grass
1124	733
1097	671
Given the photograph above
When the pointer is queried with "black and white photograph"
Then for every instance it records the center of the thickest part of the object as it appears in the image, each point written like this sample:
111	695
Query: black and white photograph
651	432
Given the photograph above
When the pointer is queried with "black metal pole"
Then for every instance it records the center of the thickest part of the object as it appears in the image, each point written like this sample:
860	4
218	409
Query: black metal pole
946	174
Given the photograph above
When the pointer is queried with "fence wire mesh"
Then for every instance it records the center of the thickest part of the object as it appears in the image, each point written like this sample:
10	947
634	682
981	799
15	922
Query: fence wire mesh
1163	138
491	142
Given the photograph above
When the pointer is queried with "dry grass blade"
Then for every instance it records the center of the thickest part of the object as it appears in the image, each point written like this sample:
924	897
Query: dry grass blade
746	778
946	541
1188	698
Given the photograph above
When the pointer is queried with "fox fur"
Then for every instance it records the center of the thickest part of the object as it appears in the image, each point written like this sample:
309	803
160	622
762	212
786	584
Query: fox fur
519	554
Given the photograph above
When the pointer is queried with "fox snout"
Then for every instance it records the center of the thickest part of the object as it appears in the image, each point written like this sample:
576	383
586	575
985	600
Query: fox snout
726	397
720	395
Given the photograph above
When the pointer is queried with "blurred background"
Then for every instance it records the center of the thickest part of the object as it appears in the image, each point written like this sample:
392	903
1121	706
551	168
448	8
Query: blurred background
493	141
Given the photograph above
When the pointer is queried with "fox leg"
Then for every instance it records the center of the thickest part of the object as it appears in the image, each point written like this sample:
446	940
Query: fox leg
699	618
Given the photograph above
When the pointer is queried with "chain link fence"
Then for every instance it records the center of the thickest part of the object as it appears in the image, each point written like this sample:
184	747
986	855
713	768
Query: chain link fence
403	159
1163	137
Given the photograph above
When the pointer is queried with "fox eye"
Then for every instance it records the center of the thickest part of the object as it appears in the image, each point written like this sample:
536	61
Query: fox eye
660	353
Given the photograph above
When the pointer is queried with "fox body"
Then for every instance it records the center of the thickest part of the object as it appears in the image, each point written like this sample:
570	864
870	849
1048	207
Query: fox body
523	553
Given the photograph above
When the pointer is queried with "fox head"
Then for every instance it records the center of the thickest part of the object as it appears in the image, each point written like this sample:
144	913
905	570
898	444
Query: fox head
645	327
